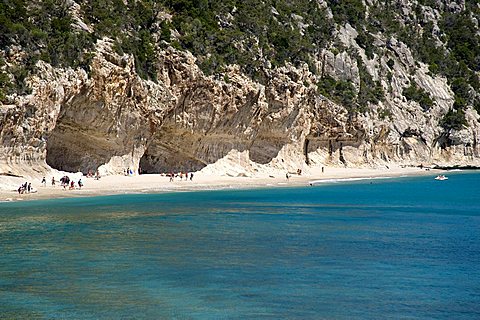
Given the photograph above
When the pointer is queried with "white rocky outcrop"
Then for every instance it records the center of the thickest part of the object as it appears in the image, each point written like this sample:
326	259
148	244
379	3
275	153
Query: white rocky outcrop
112	119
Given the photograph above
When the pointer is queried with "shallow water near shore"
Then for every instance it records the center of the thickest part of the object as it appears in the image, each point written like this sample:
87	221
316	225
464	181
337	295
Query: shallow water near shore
370	249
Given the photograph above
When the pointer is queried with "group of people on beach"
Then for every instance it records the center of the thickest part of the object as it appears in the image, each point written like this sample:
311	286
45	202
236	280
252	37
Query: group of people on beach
64	182
25	188
91	175
180	175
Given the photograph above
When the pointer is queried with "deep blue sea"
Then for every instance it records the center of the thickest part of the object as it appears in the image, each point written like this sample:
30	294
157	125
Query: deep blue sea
403	248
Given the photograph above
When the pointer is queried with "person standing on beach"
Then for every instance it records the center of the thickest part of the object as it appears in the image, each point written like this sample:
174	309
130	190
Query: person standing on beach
53	181
44	182
287	176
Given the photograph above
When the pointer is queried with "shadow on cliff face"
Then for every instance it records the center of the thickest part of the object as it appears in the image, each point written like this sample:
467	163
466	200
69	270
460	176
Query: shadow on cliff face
160	159
91	131
171	150
70	148
263	150
174	149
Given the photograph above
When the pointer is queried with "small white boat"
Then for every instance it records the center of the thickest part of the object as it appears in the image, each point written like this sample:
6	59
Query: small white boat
441	177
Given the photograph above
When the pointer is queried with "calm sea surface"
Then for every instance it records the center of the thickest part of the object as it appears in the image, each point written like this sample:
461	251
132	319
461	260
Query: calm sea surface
406	248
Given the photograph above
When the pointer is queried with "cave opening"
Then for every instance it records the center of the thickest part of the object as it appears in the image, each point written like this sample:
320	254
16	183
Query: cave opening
74	148
174	149
161	159
264	149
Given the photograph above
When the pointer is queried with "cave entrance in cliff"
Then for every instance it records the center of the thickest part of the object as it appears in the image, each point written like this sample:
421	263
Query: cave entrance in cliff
264	149
73	148
159	158
177	149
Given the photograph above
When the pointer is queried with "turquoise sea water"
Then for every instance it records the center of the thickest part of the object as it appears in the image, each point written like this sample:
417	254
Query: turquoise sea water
406	248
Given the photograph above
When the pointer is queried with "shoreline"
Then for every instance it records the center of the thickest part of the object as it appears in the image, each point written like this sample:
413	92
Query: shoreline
157	183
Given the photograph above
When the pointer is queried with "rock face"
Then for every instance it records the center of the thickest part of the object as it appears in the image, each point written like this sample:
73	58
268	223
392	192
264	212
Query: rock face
106	120
112	119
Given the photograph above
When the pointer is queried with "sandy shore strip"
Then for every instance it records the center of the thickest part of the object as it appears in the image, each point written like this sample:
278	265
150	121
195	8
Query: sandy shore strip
156	183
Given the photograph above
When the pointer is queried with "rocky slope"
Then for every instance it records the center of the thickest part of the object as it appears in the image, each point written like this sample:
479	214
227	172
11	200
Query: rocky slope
111	118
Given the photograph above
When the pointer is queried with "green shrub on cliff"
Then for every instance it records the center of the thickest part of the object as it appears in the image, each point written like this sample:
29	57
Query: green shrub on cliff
250	33
351	11
452	50
342	92
454	119
415	93
4	82
31	31
371	91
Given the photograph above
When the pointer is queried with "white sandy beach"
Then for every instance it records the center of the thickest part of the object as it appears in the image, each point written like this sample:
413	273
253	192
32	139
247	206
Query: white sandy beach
156	183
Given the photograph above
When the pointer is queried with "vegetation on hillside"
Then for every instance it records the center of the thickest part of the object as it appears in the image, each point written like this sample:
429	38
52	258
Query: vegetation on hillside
453	51
256	35
415	93
39	31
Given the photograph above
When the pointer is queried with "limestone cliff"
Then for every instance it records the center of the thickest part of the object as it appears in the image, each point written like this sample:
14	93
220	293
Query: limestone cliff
111	118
